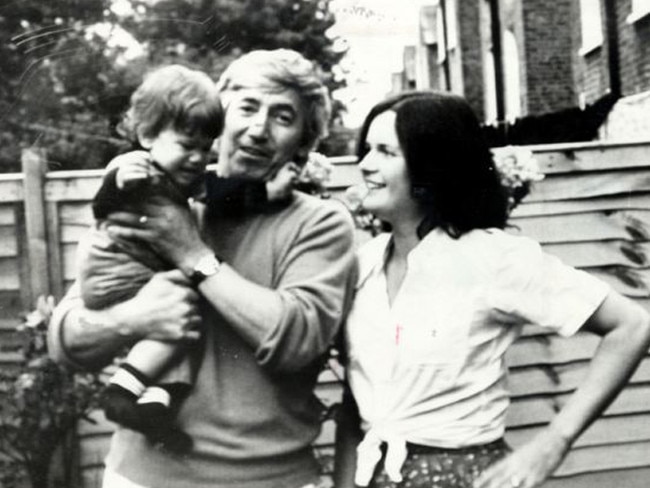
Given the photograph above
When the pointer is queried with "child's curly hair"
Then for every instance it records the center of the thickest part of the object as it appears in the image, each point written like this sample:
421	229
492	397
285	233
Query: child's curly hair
176	97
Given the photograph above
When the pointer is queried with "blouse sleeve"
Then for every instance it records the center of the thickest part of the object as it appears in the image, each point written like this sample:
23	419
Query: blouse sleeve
534	287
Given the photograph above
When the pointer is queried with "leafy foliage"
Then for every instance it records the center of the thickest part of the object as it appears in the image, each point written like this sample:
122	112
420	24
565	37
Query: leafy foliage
43	401
69	66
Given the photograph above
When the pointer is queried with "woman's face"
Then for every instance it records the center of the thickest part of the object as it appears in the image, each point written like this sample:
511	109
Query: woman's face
384	172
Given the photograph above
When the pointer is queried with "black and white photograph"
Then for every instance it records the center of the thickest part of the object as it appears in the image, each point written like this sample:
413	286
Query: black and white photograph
324	243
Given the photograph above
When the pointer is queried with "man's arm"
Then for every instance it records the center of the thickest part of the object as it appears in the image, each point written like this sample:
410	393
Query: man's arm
164	309
292	325
289	326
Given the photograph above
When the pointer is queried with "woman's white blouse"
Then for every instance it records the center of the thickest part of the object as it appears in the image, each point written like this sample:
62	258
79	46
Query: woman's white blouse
430	368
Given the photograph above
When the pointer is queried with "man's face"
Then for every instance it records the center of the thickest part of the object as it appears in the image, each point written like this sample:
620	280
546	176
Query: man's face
263	130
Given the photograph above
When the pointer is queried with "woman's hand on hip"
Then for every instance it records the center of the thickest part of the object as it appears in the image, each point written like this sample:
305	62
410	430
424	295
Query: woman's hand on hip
529	465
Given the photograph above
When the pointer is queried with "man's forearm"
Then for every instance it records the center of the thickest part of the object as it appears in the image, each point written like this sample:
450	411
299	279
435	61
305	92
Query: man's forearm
288	329
92	338
86	338
252	309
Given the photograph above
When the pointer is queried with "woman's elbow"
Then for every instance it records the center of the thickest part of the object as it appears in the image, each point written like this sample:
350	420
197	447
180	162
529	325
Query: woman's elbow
639	328
632	332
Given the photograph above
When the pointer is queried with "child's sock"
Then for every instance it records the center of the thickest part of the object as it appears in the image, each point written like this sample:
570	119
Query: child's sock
121	395
154	407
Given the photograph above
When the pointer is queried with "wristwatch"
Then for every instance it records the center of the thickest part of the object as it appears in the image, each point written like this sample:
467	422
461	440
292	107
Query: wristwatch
208	265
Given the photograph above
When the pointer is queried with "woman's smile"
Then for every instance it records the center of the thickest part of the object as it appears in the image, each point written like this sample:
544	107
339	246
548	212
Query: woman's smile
374	185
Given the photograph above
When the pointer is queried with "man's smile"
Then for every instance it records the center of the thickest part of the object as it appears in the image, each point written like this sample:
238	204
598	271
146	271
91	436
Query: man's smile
256	152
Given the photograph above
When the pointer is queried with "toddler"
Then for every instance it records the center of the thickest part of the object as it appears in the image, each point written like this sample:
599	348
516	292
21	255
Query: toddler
174	116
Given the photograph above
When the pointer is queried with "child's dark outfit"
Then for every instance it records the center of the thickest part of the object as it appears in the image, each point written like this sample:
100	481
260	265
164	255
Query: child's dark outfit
110	273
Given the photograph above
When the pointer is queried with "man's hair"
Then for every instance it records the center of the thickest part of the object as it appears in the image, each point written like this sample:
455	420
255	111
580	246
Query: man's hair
284	69
449	163
176	97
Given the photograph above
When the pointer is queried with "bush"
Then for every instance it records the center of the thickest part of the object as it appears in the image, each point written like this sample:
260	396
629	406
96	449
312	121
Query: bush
43	402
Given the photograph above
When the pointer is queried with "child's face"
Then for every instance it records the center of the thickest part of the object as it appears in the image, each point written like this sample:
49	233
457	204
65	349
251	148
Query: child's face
183	156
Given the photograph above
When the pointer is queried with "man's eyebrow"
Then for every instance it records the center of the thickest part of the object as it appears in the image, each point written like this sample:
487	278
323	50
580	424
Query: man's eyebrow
285	106
249	99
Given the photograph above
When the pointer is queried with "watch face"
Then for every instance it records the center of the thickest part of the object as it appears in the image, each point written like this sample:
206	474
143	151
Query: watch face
207	266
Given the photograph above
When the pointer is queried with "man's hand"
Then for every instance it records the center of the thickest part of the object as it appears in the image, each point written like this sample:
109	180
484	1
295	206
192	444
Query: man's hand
164	309
529	466
167	227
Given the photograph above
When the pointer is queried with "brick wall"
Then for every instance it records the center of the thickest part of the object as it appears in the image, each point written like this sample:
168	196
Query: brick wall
554	73
591	68
472	64
634	50
548	47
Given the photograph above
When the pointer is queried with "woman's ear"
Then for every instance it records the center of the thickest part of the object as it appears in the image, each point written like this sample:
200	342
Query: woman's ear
145	141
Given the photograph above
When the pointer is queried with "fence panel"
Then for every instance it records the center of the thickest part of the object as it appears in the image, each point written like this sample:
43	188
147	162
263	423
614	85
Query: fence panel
592	210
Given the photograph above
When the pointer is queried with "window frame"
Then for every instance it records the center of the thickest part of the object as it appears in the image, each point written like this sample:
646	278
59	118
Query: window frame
590	14
640	9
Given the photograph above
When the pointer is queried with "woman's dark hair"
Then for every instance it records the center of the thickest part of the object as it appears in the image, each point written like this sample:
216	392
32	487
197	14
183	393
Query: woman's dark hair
450	165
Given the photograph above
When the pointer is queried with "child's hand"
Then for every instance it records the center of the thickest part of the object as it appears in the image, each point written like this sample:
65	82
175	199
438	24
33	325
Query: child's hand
280	186
132	167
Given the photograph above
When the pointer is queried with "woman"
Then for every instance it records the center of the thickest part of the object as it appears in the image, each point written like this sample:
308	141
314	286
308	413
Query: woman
439	300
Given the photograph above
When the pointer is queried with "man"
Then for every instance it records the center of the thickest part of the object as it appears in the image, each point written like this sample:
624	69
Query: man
273	287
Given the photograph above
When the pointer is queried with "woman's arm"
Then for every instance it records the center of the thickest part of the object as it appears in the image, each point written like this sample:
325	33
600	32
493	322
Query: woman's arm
164	309
625	330
348	437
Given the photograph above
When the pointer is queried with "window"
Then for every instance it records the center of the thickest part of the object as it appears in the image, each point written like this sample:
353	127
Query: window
447	32
640	8
591	26
452	24
440	30
512	83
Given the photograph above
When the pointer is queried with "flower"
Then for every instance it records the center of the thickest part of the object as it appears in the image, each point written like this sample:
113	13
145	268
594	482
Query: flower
315	175
364	220
518	169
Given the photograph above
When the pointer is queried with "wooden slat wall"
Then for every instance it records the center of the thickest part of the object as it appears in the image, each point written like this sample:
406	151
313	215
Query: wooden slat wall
592	210
13	267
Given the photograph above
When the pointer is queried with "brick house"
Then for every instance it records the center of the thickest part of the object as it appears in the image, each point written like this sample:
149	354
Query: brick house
515	59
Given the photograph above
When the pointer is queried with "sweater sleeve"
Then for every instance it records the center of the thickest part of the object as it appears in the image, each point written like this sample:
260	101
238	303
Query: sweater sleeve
315	282
107	199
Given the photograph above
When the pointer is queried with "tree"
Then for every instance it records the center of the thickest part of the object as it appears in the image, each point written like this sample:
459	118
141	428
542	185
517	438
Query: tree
66	79
59	75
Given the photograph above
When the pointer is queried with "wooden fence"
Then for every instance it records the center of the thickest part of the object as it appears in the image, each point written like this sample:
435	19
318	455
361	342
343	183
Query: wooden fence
592	210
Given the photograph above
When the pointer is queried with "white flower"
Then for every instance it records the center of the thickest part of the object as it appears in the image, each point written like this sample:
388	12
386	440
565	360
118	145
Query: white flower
25	381
517	166
317	170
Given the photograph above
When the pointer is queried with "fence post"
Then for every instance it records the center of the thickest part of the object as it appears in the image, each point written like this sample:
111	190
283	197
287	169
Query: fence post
34	166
